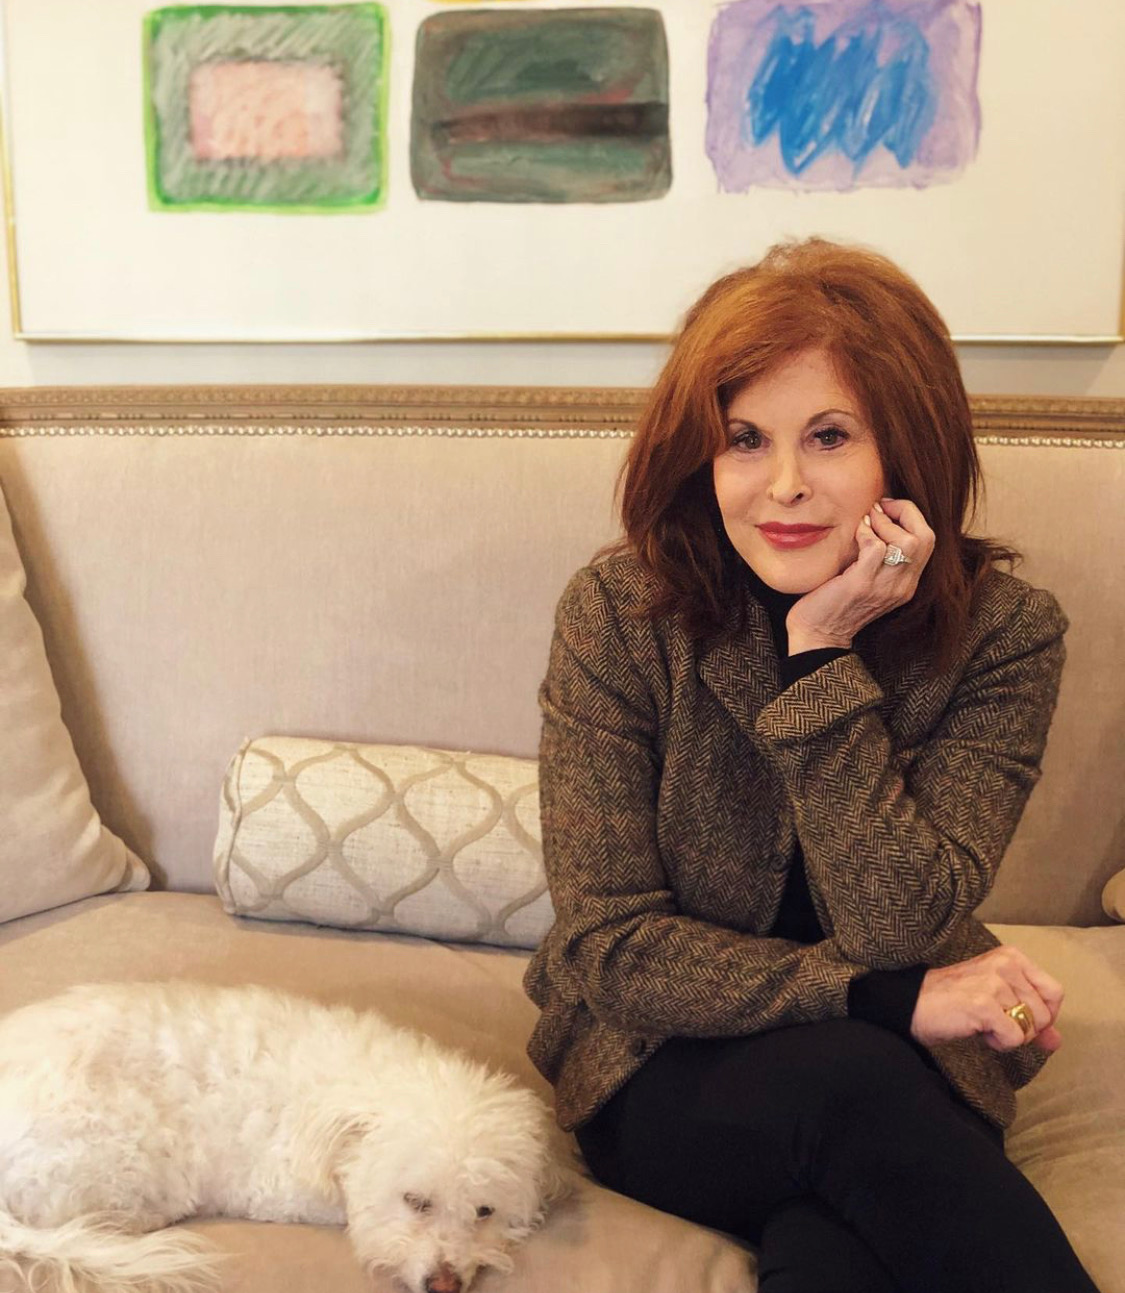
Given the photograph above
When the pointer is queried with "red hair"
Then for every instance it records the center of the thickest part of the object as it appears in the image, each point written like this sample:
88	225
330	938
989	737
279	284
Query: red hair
891	349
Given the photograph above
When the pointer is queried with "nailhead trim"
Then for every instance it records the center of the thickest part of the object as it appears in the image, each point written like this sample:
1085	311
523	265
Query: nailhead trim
1053	441
474	433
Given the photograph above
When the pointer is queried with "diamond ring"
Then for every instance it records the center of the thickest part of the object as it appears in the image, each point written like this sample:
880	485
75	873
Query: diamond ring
895	556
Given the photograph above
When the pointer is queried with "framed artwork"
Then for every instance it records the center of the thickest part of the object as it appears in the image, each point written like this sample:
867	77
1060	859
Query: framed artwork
445	169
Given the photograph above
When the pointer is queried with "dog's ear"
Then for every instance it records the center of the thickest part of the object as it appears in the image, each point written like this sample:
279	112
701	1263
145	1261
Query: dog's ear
325	1132
559	1179
554	1178
560	1170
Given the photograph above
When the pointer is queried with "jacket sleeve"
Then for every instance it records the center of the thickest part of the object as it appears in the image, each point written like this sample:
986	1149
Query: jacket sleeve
902	857
637	961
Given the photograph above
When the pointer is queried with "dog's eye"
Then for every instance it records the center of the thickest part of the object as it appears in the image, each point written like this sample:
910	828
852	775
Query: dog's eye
484	1211
417	1202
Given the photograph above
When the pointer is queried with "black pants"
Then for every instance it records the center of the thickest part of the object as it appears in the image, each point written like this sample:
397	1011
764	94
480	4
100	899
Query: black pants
839	1151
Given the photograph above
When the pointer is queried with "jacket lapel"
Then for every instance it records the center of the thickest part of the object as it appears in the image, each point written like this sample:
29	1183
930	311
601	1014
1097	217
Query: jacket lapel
742	672
741	669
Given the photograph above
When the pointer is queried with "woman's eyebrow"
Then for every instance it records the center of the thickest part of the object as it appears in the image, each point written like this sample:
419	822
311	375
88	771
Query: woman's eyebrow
815	418
847	413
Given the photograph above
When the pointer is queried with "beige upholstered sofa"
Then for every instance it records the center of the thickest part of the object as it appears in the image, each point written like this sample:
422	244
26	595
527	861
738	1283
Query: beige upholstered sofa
381	566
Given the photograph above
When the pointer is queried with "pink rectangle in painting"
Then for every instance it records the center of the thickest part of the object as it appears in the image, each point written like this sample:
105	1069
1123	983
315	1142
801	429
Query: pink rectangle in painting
265	110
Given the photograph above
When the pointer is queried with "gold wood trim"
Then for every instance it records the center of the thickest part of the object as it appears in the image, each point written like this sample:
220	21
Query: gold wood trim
1069	340
9	214
456	406
1018	416
453	410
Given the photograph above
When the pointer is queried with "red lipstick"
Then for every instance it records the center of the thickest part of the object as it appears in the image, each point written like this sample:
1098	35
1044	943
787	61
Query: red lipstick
793	536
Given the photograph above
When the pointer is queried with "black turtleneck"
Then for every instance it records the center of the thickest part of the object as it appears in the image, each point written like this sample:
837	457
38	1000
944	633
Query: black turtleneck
885	997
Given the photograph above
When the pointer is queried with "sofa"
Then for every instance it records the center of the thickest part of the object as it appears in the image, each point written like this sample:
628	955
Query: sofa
378	567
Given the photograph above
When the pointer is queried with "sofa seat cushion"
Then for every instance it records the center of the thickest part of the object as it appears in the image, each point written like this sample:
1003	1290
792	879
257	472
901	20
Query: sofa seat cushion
1069	1134
468	996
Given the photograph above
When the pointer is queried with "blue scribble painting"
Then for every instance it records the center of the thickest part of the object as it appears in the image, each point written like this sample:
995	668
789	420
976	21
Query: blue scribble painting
842	94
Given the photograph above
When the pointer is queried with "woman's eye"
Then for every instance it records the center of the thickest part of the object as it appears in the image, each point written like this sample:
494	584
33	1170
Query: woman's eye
747	440
484	1211
840	436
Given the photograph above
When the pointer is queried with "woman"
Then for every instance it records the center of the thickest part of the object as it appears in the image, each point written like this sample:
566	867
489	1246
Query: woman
790	724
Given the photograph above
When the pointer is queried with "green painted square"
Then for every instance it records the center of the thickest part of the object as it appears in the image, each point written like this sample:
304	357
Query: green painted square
352	40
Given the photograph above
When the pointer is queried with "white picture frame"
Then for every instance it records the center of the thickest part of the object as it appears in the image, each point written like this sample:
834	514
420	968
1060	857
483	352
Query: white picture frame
1025	244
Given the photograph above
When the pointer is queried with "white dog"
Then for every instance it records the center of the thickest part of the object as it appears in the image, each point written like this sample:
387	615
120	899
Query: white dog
125	1108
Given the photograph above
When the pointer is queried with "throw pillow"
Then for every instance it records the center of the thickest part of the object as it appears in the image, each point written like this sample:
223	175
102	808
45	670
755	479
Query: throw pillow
1113	897
394	838
53	846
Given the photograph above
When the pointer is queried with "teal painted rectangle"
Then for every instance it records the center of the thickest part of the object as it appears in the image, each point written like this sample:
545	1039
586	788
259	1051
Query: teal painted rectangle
557	105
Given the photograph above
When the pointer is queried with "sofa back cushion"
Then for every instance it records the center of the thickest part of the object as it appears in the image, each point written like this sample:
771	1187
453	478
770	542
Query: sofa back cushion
380	587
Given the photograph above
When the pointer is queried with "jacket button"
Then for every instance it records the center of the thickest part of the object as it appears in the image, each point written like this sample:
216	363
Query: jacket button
640	1047
780	862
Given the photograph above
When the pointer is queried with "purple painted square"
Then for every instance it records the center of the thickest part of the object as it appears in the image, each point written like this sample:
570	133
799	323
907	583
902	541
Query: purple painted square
842	94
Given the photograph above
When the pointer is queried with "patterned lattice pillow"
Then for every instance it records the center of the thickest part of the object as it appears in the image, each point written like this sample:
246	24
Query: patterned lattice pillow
394	838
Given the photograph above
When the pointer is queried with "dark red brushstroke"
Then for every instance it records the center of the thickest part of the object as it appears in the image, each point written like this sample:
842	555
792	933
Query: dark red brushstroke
564	123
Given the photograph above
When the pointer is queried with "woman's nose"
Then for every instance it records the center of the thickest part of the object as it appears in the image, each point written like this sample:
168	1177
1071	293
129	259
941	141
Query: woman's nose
787	482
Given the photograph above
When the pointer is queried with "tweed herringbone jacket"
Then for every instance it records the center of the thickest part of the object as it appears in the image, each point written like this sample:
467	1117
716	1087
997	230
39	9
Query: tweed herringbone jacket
675	779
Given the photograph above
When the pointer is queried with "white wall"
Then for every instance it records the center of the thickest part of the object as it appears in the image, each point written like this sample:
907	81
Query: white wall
989	370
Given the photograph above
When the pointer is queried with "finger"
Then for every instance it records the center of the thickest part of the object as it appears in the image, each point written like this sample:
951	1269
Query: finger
1049	1040
889	531
1049	989
1002	1032
908	516
1011	987
872	549
1026	993
1004	989
897	581
914	549
1040	1015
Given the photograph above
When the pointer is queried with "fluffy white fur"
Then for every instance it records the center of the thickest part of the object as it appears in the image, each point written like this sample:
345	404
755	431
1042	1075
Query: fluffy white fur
127	1107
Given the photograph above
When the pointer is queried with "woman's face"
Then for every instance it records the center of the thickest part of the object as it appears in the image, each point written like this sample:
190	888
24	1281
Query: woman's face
800	453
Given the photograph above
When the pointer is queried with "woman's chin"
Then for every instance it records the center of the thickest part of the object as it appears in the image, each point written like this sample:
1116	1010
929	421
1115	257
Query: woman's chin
793	587
800	570
787	573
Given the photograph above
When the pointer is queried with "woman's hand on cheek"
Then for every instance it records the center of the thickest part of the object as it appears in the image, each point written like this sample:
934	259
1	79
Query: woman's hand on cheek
831	615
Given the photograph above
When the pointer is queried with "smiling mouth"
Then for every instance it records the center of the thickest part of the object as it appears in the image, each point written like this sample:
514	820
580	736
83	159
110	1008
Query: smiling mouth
793	536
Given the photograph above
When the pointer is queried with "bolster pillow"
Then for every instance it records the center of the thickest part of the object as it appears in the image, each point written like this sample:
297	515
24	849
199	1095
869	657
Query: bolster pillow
394	838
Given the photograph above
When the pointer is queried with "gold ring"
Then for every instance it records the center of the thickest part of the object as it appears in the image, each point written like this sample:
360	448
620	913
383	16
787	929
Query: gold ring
1023	1016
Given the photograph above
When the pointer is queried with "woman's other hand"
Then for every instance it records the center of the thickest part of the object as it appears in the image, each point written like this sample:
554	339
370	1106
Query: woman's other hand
831	615
972	997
